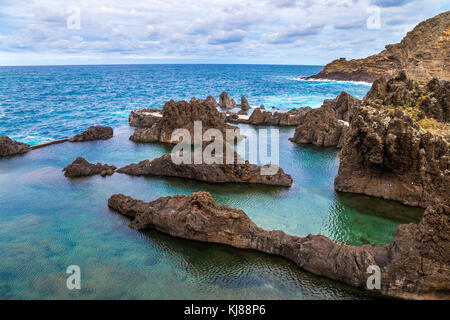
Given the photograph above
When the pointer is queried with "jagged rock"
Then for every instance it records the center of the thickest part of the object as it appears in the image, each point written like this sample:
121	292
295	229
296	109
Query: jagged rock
423	54
10	147
244	104
415	266
211	100
267	118
421	100
343	106
225	102
82	168
182	115
94	133
215	173
320	127
144	118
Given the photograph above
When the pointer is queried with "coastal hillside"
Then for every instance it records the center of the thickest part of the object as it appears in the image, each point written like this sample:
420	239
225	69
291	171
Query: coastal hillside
424	53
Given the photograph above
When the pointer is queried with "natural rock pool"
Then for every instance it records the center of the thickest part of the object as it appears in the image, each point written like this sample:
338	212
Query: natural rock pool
48	222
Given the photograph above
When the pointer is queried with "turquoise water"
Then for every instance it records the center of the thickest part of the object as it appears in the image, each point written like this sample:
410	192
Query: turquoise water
48	222
39	104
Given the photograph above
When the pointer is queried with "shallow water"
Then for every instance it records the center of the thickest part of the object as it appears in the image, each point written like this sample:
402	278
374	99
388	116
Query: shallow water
48	222
39	104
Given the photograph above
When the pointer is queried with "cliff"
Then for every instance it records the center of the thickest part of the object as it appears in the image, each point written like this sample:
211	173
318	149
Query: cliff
424	53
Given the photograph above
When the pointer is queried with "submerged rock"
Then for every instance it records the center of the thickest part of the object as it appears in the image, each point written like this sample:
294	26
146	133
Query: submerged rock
10	147
144	118
94	133
82	168
423	54
415	266
215	173
182	115
389	152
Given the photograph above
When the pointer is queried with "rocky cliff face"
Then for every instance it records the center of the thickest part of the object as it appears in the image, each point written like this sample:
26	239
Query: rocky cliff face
327	125
94	133
10	147
393	150
215	173
424	53
415	266
144	118
82	168
182	115
267	118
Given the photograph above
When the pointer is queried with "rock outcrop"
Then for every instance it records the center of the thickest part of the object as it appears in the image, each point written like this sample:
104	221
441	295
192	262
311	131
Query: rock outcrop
214	173
415	266
82	168
393	150
144	118
424	53
268	118
182	115
320	127
225	102
94	133
244	104
10	147
327	125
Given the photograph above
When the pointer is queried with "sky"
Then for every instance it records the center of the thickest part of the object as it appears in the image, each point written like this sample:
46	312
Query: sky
301	32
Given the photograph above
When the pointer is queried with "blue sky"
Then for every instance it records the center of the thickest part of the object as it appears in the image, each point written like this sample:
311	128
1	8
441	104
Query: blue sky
311	32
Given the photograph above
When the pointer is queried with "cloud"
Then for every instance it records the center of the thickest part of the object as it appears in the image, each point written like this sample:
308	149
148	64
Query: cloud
351	25
390	3
292	34
225	37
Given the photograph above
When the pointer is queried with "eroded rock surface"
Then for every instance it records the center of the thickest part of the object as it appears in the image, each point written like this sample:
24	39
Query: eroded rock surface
94	133
415	266
423	53
144	118
215	173
9	147
82	168
225	101
182	115
393	150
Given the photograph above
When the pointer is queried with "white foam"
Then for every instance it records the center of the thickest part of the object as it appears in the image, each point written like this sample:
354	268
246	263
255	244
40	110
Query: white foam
335	81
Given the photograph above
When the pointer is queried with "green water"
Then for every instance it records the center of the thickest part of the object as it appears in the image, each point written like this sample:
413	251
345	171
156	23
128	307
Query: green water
48	222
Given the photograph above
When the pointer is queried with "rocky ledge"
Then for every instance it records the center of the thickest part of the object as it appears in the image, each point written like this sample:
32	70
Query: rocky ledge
82	168
144	118
327	125
423	54
394	149
268	118
214	173
182	115
415	266
10	147
94	133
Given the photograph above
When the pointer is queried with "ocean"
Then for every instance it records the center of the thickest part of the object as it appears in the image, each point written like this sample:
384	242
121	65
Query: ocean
48	222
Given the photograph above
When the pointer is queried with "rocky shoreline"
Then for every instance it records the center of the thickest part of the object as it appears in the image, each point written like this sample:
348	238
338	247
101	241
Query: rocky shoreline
415	266
82	168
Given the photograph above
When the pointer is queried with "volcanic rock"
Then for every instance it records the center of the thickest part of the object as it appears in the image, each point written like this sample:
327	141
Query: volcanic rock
182	115
94	133
415	266
244	104
237	172
10	147
343	106
423	53
225	102
144	118
82	168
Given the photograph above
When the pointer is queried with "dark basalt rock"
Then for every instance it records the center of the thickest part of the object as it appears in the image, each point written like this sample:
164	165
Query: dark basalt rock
343	105
144	118
214	173
320	127
225	102
415	266
10	147
390	152
82	168
182	115
244	104
268	118
94	133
